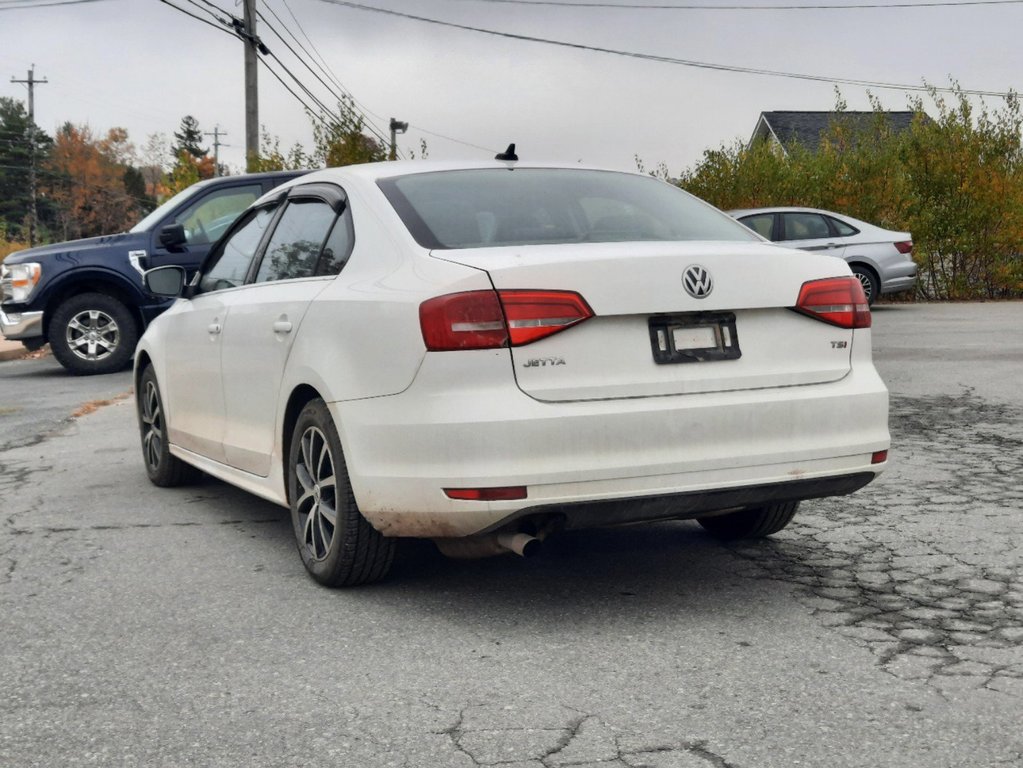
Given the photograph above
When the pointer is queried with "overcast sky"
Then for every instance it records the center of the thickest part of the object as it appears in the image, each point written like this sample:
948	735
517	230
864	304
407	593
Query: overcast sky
142	65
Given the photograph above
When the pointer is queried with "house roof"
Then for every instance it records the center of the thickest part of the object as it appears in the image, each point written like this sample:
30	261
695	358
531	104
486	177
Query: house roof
806	127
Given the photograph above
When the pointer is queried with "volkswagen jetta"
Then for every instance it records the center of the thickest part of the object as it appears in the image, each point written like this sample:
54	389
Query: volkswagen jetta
487	353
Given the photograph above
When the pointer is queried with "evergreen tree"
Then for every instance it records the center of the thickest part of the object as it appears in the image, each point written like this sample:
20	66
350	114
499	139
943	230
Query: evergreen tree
189	139
17	136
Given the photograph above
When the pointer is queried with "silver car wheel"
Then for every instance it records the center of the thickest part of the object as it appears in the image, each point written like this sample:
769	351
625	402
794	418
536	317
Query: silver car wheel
868	285
92	335
317	504
152	425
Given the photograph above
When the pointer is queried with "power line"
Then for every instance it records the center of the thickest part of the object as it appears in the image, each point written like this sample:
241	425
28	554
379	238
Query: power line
669	59
367	124
47	4
327	71
691	6
324	68
705	7
199	18
309	110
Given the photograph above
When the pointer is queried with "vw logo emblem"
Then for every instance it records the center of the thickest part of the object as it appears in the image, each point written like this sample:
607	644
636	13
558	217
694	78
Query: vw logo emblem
697	281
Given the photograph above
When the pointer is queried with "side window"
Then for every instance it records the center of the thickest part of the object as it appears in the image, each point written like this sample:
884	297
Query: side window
805	226
338	247
761	223
208	218
294	247
232	262
843	229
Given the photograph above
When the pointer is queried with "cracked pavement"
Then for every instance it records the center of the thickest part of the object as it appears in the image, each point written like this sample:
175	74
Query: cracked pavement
146	627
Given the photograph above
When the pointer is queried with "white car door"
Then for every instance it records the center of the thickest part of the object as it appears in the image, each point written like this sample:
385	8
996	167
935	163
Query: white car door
809	231
264	319
194	390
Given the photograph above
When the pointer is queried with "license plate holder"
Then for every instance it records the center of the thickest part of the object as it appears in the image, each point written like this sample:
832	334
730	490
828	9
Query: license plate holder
694	337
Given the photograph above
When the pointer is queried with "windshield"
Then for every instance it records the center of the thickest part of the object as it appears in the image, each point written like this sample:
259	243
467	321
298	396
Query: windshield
155	216
531	206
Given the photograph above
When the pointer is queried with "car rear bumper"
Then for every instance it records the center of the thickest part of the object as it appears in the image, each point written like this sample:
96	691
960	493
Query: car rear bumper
17	326
652	457
897	284
900	276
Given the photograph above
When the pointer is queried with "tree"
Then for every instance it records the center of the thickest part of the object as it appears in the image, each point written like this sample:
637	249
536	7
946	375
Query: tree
191	160
18	136
189	139
188	171
342	141
955	182
272	159
154	165
87	182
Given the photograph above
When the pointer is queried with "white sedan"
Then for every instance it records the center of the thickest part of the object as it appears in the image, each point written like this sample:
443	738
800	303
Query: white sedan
485	354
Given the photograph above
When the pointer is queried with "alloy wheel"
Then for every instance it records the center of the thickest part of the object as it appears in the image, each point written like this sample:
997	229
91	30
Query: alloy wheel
317	504
92	335
868	285
152	425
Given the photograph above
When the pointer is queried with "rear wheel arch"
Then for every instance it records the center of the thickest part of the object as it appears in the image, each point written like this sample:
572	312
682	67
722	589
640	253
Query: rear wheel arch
300	397
868	276
142	361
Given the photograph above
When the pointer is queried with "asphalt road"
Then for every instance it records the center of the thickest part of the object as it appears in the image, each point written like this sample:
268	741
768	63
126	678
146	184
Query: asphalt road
147	627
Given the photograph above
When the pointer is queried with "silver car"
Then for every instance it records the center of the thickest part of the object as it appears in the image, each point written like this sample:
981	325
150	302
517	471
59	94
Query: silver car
882	259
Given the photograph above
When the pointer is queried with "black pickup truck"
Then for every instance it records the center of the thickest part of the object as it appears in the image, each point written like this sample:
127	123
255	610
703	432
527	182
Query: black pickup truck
86	297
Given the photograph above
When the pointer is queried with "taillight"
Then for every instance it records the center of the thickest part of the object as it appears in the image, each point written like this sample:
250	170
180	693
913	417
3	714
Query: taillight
471	320
492	319
836	300
507	493
534	315
905	246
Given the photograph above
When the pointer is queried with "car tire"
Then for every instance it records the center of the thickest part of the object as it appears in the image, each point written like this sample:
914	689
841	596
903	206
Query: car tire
163	469
751	523
338	546
871	285
93	333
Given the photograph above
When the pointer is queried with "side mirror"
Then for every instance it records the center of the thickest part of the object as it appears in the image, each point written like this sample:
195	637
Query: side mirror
172	235
165	281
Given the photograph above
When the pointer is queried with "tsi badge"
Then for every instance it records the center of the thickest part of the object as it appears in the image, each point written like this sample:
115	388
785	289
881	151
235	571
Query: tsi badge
543	362
697	281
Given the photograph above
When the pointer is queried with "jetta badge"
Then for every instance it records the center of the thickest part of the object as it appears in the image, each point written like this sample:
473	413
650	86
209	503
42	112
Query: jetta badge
697	281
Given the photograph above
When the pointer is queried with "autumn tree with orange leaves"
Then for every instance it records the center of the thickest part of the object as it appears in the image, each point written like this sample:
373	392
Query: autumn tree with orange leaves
87	182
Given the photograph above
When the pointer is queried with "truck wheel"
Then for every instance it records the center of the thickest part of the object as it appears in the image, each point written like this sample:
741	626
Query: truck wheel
751	523
93	333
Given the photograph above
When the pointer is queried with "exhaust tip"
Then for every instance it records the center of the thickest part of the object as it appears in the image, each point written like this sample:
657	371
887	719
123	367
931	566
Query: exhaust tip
521	544
531	548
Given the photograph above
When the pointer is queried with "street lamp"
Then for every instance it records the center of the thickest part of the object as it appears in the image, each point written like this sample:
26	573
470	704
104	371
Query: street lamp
396	127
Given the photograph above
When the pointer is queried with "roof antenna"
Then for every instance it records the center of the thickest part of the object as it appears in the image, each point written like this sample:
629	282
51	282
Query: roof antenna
508	154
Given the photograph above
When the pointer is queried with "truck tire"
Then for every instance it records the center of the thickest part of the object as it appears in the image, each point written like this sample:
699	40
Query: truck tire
93	333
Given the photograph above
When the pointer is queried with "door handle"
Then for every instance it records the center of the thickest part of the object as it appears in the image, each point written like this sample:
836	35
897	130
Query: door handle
282	326
214	328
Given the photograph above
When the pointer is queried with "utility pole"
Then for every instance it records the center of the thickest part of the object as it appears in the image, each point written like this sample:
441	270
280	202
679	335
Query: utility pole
216	134
31	82
251	85
396	127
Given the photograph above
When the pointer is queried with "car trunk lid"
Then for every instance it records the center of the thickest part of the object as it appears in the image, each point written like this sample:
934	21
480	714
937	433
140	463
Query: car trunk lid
651	337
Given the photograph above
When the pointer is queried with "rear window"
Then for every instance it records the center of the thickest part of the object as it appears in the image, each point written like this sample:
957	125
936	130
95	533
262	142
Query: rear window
533	206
